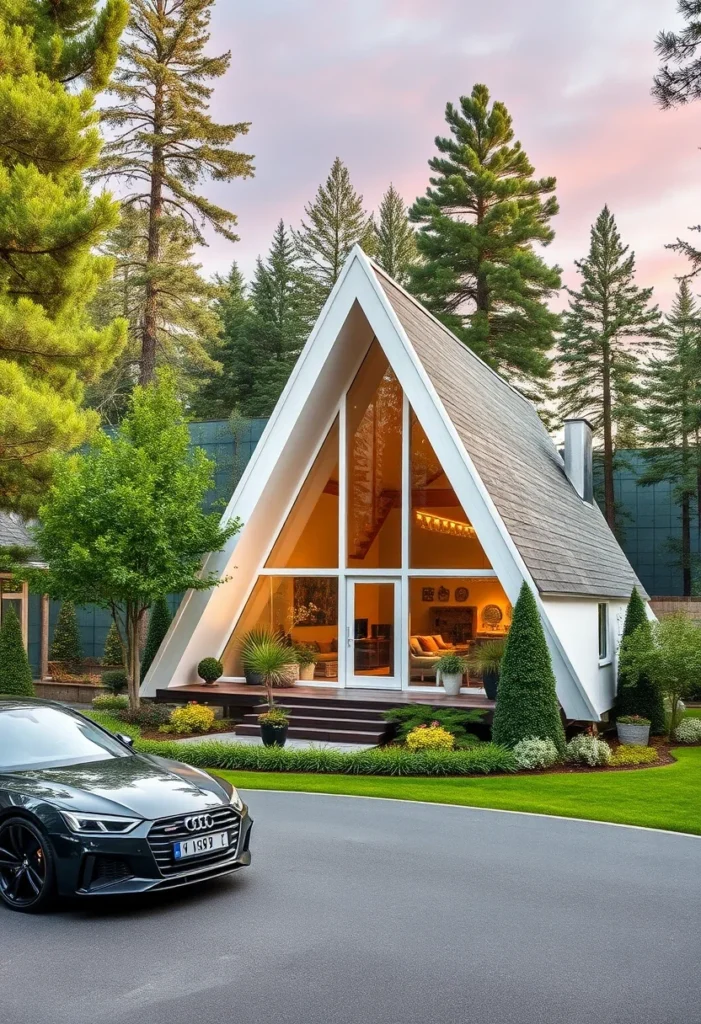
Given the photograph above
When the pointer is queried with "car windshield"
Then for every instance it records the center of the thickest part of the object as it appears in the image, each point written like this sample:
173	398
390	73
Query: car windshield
34	737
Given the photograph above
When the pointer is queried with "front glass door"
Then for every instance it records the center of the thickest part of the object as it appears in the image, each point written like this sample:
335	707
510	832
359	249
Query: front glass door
372	633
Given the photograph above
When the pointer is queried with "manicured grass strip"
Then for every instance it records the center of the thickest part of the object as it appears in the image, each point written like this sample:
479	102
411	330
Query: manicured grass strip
666	798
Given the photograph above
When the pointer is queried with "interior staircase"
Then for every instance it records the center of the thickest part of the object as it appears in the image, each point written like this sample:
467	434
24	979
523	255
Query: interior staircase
326	721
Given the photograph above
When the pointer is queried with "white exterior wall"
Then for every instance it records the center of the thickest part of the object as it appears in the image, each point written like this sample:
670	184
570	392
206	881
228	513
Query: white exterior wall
576	622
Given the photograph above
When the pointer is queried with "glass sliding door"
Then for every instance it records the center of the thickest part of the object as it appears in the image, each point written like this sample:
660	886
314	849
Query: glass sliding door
373	633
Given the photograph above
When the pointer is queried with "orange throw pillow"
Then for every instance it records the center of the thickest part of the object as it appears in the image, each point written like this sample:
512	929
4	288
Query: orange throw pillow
429	644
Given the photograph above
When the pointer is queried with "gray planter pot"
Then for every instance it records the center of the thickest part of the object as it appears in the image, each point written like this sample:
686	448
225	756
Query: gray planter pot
451	683
633	735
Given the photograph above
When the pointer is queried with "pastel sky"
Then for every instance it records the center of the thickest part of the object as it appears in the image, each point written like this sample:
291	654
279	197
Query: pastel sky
368	80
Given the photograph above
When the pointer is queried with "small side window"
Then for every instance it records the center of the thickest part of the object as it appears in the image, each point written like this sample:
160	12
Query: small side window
603	632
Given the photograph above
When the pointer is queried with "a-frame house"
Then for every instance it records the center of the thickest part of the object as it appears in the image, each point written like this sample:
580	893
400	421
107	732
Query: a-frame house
398	498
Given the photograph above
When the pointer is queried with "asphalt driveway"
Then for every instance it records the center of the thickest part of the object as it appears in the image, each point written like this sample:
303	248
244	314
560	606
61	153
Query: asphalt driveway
359	910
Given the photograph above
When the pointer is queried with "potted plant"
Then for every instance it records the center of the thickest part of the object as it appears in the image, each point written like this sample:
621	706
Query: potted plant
274	724
209	670
249	644
633	730
450	670
269	659
307	657
486	660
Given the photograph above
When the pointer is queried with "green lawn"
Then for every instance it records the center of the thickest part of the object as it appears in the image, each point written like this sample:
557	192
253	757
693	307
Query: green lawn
667	798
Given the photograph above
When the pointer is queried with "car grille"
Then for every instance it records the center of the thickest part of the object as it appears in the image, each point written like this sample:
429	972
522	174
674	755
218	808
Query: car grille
166	831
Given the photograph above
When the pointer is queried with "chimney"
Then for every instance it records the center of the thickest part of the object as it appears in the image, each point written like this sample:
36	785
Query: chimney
578	457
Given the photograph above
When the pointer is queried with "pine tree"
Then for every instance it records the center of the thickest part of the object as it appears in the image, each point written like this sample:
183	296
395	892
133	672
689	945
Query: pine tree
604	332
336	221
527	703
66	645
187	323
113	653
16	673
679	82
49	226
219	394
165	143
673	418
643	697
158	624
263	334
395	248
480	219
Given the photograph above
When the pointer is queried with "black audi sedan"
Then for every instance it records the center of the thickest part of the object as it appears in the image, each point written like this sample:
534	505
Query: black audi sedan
83	814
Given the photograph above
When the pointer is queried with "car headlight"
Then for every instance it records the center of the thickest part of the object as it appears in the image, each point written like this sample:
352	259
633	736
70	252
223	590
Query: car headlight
235	800
99	824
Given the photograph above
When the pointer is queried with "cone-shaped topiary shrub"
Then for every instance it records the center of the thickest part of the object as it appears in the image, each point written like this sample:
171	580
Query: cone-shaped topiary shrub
65	645
16	675
112	654
527	704
642	697
159	621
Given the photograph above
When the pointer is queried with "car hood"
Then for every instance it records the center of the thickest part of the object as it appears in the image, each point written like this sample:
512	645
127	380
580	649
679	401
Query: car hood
145	786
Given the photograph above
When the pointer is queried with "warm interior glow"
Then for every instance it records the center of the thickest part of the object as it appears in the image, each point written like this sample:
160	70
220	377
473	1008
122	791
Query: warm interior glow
440	525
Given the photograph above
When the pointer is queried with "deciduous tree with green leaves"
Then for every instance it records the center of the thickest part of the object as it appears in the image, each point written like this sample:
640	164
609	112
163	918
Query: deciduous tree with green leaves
164	142
672	418
395	246
53	58
336	221
123	523
480	221
605	332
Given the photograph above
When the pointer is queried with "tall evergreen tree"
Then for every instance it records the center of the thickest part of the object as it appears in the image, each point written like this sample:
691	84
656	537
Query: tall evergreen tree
158	623
263	334
336	221
49	226
66	645
16	673
679	82
395	248
187	323
604	333
642	697
165	143
480	219
673	418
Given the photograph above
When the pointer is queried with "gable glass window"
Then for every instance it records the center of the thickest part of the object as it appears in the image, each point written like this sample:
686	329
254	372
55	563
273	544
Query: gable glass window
374	430
309	538
441	534
603	632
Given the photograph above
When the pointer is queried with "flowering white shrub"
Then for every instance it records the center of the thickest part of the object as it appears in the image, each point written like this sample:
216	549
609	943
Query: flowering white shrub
688	730
535	753
588	750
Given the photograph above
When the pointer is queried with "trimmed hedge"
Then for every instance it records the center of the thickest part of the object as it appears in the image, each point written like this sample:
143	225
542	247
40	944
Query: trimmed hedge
642	697
14	665
158	623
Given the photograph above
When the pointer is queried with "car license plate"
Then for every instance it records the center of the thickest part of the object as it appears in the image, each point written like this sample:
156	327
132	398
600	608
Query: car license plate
196	846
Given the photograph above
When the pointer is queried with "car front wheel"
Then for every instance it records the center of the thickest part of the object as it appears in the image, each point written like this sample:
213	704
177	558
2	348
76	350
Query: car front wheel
26	866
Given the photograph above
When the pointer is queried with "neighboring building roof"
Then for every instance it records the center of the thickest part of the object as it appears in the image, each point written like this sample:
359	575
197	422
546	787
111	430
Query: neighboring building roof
564	541
14	532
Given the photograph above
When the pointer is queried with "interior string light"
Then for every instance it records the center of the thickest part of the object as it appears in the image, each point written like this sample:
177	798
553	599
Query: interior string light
440	525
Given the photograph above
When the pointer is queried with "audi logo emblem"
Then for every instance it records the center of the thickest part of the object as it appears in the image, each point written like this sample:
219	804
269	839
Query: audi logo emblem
199	822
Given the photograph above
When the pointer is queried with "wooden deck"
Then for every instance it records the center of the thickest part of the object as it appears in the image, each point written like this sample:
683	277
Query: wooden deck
242	695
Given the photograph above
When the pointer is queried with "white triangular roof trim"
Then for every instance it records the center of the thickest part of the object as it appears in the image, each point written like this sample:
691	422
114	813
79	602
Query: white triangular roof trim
204	621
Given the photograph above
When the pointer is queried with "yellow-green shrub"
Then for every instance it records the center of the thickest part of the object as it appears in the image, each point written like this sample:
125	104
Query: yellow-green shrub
627	754
193	717
429	737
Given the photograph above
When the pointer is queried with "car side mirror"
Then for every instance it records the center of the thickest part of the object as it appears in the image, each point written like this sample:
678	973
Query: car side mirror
128	741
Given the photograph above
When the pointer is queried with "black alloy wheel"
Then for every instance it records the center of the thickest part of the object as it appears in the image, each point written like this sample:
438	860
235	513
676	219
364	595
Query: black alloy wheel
26	866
